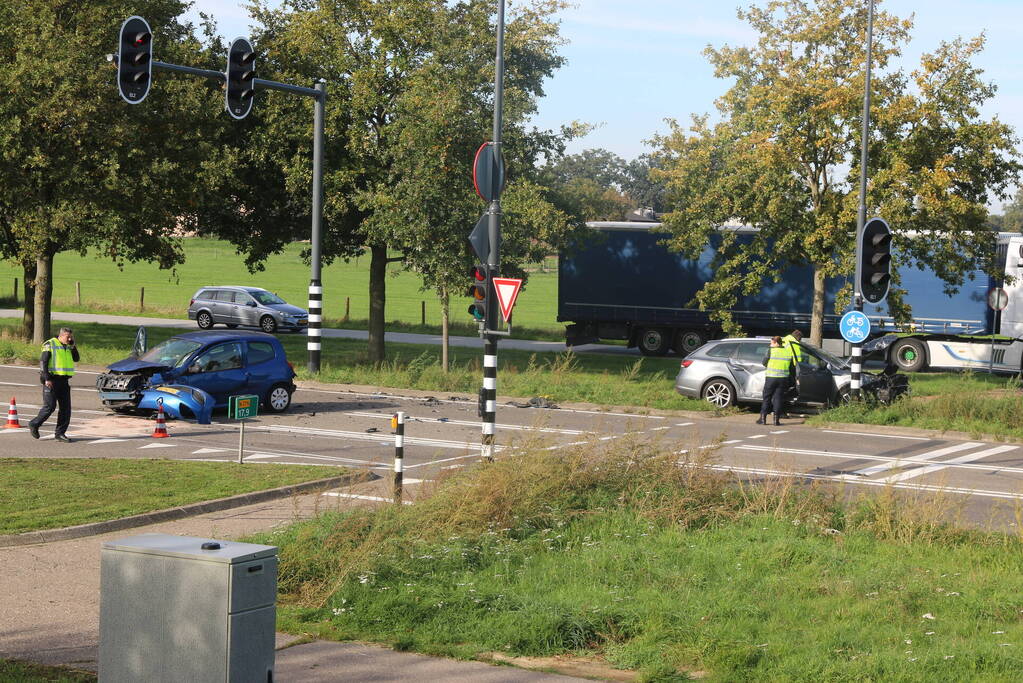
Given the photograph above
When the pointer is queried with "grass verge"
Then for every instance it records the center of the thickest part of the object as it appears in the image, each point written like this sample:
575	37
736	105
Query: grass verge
16	671
979	404
593	378
618	553
44	493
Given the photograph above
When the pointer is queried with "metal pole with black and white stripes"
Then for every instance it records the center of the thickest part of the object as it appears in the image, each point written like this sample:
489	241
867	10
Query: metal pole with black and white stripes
398	423
315	286
861	215
494	259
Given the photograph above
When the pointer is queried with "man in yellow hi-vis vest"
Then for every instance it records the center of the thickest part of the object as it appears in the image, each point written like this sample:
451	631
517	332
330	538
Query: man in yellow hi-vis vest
793	343
779	362
56	367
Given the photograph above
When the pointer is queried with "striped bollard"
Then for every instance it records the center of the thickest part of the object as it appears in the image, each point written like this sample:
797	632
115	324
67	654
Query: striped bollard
398	425
489	397
856	367
315	322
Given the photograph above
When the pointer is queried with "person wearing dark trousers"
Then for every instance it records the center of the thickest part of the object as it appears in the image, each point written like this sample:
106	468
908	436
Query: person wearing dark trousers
56	367
792	342
778	362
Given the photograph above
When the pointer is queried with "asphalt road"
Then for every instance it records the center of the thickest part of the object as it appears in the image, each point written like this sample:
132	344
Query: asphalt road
337	426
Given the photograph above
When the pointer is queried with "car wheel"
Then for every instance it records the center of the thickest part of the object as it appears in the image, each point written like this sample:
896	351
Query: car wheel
687	341
909	355
653	341
720	392
268	324
278	398
231	326
204	320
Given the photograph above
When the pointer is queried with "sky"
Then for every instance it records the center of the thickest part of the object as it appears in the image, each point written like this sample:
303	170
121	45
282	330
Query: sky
631	64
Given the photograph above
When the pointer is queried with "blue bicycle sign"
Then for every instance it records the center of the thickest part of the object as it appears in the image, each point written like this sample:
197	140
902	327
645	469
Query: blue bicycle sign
855	327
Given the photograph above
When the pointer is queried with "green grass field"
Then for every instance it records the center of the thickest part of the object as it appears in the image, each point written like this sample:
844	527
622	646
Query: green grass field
42	493
619	553
104	288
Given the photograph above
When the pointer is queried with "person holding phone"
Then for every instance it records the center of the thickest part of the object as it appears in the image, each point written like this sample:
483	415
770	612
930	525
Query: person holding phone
56	367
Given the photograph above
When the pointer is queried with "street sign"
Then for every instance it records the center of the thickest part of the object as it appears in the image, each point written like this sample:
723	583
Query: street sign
479	238
488	172
997	298
242	407
855	327
507	291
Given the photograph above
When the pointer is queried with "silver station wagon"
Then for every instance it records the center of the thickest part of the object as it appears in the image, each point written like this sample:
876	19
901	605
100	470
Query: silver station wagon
246	306
730	371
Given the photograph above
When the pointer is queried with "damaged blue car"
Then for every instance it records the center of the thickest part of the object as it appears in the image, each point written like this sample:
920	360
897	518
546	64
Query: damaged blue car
192	373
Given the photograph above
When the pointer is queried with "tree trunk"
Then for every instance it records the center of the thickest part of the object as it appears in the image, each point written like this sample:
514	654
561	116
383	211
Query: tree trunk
377	297
29	316
817	314
444	330
43	296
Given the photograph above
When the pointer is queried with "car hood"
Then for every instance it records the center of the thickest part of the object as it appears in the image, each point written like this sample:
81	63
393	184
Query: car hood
288	308
134	365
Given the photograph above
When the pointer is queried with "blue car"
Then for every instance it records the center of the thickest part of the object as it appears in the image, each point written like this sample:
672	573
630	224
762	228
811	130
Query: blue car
191	374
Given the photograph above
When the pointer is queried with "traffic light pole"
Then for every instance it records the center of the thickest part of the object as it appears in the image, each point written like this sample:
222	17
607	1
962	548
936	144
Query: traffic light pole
319	95
493	260
861	214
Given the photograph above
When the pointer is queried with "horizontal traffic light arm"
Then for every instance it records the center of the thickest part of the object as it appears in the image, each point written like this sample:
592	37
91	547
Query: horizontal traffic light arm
219	76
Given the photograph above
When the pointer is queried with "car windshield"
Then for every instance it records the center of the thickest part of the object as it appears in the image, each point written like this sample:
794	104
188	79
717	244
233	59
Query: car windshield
266	298
171	352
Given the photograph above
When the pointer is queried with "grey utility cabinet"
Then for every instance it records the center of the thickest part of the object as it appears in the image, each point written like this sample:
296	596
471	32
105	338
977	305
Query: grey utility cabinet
178	608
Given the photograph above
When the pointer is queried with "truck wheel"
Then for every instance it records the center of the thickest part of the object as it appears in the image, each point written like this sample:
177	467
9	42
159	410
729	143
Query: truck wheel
909	355
720	392
204	320
687	341
653	341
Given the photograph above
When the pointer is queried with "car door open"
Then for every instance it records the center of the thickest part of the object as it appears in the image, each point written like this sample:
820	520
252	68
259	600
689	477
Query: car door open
814	381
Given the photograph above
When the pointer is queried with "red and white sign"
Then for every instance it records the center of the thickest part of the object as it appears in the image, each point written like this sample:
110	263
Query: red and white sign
507	291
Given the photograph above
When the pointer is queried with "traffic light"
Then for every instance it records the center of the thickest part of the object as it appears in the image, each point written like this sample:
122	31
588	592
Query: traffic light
241	72
875	261
135	60
478	291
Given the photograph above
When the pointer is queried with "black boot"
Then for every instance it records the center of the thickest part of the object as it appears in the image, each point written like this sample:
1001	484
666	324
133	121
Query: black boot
777	422
760	420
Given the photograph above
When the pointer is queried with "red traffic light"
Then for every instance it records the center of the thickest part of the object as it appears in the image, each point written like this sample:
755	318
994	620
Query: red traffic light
141	38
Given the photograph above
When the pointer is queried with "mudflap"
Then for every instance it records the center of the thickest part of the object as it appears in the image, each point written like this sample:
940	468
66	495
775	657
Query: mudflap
179	402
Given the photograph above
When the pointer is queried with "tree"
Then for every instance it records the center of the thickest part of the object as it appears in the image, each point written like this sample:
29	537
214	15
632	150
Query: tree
411	98
1012	219
784	155
81	168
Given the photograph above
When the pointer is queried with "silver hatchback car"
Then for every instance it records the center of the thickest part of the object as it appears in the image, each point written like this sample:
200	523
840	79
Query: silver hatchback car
730	371
249	306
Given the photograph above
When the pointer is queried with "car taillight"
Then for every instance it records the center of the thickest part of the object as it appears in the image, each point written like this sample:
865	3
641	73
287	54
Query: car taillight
291	365
686	363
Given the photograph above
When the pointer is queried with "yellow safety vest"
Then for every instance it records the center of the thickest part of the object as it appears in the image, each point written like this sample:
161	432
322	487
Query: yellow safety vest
792	344
779	362
62	362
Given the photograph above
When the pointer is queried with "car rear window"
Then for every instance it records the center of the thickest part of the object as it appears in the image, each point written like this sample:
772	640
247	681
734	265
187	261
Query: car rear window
723	350
206	294
752	352
260	352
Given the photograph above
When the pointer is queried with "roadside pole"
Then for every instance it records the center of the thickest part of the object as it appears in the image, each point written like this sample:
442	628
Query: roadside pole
315	287
493	259
398	424
861	215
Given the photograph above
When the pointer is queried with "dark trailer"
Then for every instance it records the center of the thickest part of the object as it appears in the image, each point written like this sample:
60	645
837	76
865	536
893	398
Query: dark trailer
622	284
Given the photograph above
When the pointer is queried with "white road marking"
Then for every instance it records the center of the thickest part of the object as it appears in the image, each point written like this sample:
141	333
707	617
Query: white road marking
473	423
684	424
757	436
99	441
158	445
880	436
36	369
358	497
497	449
725	443
210	450
37	385
922	457
780	431
658	429
927	469
984	493
362	436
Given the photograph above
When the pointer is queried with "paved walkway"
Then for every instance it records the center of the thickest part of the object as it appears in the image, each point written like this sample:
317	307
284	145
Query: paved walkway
50	610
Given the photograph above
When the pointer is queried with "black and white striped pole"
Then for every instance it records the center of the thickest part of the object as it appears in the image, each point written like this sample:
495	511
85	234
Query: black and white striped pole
398	425
861	215
315	286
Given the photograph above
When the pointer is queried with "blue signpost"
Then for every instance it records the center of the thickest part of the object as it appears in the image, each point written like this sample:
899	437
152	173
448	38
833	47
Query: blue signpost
855	327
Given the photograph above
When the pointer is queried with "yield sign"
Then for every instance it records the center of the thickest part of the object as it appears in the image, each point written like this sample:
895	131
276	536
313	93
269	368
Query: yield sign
507	291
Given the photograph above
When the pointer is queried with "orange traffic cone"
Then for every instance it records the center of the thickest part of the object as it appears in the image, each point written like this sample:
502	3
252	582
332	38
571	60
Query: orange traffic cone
160	432
12	416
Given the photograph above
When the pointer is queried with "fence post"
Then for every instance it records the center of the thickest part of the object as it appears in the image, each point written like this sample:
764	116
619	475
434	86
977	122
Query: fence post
78	291
142	299
15	291
422	313
348	307
398	425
